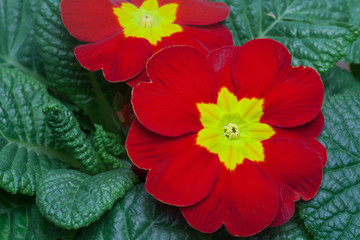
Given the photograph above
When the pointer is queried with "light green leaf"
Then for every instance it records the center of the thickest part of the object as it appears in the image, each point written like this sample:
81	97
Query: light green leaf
138	216
17	44
317	33
64	74
334	213
338	81
72	199
20	219
27	147
353	54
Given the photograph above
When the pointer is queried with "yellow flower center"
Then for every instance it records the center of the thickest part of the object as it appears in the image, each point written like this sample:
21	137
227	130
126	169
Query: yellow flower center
232	129
149	21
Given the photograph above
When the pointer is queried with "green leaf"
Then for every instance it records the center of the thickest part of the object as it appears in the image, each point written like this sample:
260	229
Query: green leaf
353	54
20	219
17	44
338	81
72	199
64	74
138	216
317	33
27	147
292	230
110	148
65	127
334	213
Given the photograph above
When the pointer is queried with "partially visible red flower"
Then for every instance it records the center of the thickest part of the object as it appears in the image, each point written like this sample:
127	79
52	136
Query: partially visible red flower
229	137
123	34
126	114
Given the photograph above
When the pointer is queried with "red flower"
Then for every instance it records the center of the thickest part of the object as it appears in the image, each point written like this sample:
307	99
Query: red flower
230	138
124	34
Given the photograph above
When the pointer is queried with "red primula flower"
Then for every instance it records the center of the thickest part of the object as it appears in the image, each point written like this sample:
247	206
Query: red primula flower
230	138
123	34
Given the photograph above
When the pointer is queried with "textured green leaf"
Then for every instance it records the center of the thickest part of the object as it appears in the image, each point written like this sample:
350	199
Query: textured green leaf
317	33
64	74
65	127
334	213
110	147
72	199
292	230
353	54
338	81
27	147
138	216
20	219
17	44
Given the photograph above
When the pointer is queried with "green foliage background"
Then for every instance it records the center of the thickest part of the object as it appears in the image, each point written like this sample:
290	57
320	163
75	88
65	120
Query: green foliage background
58	124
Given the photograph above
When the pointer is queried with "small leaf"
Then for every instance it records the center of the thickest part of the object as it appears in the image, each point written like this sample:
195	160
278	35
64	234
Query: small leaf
17	44
338	81
65	127
64	74
27	147
317	33
138	216
72	199
334	213
110	148
21	220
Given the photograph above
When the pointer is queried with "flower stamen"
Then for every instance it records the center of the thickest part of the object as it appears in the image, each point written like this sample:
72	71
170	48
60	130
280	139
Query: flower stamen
147	21
231	131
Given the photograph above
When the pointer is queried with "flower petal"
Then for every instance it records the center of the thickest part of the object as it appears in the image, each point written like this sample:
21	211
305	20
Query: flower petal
205	38
310	129
120	58
222	60
89	20
199	12
141	77
167	105
245	200
293	95
296	164
181	172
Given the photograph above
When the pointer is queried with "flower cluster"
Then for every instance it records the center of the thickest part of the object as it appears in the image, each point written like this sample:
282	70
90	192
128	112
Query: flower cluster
124	34
227	133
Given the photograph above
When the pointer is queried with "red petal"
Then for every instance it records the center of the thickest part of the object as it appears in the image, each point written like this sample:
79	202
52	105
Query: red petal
296	163
181	172
120	58
293	96
287	206
311	129
181	77
222	60
245	200
141	77
89	20
205	38
199	12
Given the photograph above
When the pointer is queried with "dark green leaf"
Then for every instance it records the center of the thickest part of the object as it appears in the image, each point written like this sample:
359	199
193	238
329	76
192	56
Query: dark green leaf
73	199
317	33
65	127
338	81
334	213
20	219
27	147
17	44
64	74
138	216
353	54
